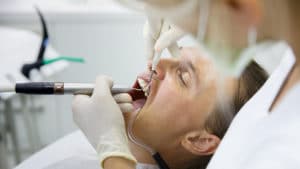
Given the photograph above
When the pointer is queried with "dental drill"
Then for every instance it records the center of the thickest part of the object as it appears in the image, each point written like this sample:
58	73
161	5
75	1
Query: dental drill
58	88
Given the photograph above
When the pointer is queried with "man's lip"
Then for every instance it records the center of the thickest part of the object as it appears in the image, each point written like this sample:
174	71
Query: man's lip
145	76
136	94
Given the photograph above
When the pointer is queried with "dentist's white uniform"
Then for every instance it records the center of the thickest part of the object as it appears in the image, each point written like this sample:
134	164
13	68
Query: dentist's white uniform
263	139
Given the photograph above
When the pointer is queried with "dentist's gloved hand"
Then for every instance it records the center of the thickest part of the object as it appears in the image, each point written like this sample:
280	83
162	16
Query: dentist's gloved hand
124	101
159	35
101	120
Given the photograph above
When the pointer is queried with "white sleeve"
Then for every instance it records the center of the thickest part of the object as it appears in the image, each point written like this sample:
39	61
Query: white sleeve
269	142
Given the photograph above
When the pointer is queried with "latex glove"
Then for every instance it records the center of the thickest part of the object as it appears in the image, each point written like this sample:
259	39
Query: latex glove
101	120
124	101
182	13
159	35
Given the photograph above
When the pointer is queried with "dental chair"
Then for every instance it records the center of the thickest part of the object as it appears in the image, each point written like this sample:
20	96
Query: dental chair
70	152
18	46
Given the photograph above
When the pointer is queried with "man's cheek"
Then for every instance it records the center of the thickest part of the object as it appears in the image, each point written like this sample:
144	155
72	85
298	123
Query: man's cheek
166	96
167	89
169	105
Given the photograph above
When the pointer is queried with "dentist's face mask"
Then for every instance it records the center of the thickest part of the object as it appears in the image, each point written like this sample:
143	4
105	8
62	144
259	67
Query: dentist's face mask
227	42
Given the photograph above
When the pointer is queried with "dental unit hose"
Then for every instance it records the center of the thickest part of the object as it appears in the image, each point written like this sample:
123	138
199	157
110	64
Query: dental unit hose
58	88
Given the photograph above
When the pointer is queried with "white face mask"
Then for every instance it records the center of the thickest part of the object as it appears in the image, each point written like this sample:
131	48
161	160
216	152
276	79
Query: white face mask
230	60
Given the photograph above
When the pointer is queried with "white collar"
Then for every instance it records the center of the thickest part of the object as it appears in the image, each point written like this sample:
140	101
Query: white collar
257	107
269	91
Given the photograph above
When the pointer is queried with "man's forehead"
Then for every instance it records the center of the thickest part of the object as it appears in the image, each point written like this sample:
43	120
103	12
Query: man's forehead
195	57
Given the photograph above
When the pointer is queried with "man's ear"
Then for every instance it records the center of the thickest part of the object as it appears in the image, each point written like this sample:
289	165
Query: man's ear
200	142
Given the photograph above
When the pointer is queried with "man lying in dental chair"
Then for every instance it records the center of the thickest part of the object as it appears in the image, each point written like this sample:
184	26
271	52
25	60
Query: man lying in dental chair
184	117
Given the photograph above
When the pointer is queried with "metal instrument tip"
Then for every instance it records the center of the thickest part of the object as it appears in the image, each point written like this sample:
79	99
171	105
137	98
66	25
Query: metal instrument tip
151	76
137	89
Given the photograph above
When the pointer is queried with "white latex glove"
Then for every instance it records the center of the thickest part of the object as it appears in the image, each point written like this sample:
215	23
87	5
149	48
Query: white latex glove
124	101
101	120
159	35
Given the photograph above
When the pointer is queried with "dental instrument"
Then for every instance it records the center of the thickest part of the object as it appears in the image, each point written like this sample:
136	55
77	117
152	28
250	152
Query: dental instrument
173	49
154	65
157	54
59	88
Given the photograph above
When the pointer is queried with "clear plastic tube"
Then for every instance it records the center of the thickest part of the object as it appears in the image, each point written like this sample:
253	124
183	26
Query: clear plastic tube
135	140
131	136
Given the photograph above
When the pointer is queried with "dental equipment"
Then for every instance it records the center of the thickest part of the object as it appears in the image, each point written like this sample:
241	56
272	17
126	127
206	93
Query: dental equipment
59	88
41	60
173	49
26	68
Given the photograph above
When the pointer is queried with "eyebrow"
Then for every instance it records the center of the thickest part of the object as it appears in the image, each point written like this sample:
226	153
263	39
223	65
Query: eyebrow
191	66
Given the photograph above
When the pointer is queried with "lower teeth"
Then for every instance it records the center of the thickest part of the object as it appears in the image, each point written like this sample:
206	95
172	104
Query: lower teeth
147	90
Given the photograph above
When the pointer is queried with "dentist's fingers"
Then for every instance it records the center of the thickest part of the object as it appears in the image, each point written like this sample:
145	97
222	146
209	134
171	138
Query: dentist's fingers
155	25
124	101
79	102
103	87
174	50
126	107
123	98
79	105
152	30
149	41
168	38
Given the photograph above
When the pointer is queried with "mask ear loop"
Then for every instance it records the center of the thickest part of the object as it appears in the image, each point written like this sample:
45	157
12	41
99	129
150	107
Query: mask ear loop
252	36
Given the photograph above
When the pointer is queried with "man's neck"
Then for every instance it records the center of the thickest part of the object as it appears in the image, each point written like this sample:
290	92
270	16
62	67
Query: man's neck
171	157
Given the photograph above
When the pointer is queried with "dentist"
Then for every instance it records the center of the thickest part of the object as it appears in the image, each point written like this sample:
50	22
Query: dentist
264	134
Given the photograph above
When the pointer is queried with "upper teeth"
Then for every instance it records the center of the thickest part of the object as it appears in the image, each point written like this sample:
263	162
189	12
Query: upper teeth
144	85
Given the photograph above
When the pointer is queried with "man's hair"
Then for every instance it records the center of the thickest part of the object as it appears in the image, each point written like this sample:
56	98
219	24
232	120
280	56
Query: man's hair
250	81
252	78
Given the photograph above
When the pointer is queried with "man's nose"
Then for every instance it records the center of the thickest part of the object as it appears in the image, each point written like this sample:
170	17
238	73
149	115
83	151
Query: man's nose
163	67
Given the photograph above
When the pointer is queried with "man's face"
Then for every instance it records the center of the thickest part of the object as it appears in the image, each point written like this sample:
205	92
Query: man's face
182	96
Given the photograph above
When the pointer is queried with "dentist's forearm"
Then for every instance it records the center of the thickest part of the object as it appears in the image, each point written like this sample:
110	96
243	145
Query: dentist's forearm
118	163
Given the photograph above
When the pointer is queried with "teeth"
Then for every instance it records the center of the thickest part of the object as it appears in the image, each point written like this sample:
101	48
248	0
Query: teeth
147	90
142	83
144	86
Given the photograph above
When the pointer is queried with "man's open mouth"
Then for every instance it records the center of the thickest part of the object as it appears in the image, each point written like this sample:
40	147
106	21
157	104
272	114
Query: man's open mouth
140	97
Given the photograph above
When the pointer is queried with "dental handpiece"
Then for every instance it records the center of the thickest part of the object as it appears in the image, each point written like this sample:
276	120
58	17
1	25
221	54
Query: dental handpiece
58	88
